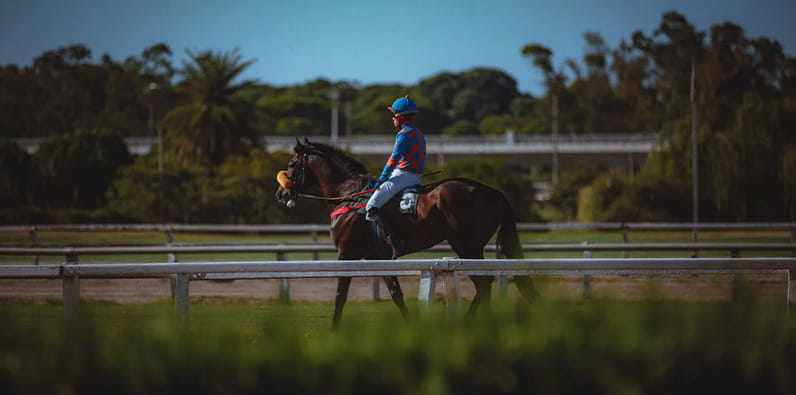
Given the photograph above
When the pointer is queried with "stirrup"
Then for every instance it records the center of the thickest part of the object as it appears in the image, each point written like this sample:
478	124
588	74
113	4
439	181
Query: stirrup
372	214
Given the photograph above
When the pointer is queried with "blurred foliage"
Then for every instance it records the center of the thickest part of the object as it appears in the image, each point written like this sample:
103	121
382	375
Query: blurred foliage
551	347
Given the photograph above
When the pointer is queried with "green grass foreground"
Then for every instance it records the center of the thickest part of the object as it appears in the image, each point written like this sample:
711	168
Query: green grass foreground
597	346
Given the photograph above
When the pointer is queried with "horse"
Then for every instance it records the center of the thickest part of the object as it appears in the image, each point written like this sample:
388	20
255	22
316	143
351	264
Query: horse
463	212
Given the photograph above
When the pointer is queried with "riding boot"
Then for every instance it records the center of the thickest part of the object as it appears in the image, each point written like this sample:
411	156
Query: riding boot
372	214
396	241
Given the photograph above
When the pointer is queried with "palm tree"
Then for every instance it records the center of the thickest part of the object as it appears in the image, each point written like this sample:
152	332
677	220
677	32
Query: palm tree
540	57
211	122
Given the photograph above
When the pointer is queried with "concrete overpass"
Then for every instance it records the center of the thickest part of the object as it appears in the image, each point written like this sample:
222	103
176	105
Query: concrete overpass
614	149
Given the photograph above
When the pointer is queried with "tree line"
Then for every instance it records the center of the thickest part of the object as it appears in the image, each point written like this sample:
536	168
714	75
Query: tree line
214	122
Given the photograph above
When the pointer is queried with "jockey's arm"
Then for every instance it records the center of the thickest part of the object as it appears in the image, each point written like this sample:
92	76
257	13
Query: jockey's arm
401	147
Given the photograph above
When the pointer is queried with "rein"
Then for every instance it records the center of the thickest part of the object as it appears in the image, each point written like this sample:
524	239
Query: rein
355	194
336	198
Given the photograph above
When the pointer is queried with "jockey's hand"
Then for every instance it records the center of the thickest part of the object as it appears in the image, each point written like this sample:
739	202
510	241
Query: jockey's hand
372	183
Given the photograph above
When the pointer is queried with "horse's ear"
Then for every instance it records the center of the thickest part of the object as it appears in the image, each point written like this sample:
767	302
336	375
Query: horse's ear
306	141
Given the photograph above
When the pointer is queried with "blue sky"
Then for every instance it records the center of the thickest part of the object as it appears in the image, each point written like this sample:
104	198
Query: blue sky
368	41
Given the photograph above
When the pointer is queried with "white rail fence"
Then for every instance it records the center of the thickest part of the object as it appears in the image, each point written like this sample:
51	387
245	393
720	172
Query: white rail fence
316	228
428	270
71	254
273	269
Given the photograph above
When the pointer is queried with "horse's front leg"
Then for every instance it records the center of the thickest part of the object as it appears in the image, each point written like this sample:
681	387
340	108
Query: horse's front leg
343	283
339	301
397	295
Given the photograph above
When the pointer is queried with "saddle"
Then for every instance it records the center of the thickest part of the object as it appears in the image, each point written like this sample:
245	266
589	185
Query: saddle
404	202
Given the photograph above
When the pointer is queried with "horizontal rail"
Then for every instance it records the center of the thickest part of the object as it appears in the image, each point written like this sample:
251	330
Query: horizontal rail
307	228
199	228
650	226
326	247
427	269
388	267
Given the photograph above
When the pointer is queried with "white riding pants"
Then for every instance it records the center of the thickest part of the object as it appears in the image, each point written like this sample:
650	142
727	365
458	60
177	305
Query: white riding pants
398	180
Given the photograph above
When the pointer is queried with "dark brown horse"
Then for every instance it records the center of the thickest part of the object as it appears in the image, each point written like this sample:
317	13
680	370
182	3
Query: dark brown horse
462	212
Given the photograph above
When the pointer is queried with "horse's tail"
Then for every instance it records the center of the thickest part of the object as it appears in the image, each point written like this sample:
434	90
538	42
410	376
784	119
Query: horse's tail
508	241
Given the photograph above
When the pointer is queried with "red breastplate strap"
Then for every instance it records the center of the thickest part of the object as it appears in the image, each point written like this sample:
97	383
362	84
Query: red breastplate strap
345	209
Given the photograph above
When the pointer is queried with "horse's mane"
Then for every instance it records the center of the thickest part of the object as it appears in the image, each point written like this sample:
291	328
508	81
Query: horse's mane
351	168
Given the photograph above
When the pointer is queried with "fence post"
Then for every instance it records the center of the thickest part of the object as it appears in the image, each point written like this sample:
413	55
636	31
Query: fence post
791	297
181	290
35	240
284	284
793	238
71	287
374	282
428	279
586	277
172	259
503	286
314	235
625	239
457	287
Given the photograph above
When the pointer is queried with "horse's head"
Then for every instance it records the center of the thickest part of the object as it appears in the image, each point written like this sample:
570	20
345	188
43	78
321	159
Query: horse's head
299	177
319	169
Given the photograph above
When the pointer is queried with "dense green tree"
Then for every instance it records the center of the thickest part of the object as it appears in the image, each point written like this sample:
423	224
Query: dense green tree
244	191
16	174
74	170
471	95
178	194
288	114
461	127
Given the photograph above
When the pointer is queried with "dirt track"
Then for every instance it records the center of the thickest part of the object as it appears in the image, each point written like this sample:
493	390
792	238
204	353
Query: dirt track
769	287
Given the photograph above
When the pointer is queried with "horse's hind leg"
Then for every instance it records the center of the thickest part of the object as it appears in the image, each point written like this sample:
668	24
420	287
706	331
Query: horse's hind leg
483	293
397	295
483	284
526	288
339	301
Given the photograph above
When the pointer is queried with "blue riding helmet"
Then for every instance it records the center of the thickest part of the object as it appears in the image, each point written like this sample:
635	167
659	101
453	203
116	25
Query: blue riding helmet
403	106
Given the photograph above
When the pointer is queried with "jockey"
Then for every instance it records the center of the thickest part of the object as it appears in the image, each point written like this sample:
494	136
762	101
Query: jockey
405	164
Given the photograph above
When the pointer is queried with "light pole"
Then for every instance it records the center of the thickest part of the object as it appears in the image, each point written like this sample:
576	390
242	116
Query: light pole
555	139
334	94
152	92
694	155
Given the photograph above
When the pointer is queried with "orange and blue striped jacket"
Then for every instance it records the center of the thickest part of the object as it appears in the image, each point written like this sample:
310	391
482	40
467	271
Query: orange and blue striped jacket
409	153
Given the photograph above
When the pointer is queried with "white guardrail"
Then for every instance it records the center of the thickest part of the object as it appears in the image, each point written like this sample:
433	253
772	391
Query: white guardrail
71	271
427	269
310	228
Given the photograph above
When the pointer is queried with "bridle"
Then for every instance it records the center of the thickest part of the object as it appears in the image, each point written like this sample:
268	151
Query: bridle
303	158
303	167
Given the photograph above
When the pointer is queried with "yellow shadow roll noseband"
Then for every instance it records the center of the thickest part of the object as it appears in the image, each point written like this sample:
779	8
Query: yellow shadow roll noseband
283	179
